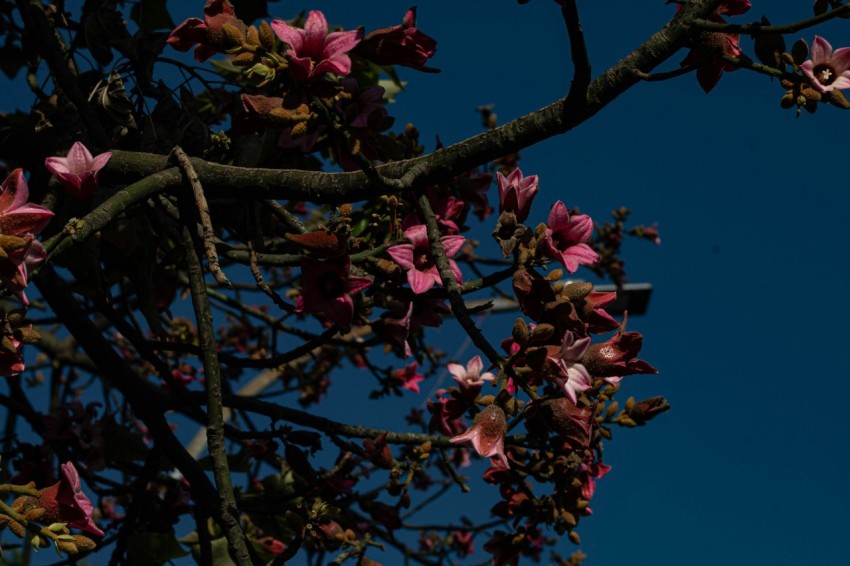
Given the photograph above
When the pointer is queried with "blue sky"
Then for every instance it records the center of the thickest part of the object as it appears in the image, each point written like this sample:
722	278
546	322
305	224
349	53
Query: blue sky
746	322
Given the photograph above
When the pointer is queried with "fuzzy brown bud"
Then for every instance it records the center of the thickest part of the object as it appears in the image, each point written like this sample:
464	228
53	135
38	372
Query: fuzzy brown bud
266	35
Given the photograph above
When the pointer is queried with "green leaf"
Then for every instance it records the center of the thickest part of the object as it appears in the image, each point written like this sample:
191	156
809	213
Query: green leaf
152	15
153	549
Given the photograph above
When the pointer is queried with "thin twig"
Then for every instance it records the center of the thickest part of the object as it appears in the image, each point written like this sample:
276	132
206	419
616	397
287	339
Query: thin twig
215	424
577	96
759	29
179	158
261	282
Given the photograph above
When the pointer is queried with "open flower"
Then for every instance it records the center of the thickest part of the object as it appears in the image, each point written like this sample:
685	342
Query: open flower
403	44
20	252
65	502
827	69
78	171
567	236
416	259
327	287
409	377
516	193
313	51
487	433
210	34
570	374
470	376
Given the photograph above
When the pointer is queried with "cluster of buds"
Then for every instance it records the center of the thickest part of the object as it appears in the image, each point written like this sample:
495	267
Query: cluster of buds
58	508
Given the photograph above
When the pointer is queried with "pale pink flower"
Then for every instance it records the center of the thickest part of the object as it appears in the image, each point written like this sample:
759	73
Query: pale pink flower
567	236
516	193
313	51
827	69
416	259
470	376
78	171
571	375
487	433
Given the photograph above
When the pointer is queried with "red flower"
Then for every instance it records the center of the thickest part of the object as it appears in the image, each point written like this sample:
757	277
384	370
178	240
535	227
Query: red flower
615	358
65	502
327	286
208	34
399	45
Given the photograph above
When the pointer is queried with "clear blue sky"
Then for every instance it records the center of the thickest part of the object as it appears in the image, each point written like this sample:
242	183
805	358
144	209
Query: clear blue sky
746	322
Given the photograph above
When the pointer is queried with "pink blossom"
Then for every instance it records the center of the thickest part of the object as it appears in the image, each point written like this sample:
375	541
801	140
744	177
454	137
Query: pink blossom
327	287
65	502
470	376
570	374
567	236
487	433
78	171
19	221
399	45
827	69
409	377
313	51
516	193
416	259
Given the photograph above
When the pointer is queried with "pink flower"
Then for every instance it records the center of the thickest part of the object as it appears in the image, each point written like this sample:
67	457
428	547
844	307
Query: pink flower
208	34
516	193
617	357
827	69
313	51
399	45
65	502
567	236
415	258
570	374
78	171
19	221
487	433
327	287
409	377
470	376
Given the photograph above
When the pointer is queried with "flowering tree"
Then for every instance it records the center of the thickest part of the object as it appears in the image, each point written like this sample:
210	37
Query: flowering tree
266	181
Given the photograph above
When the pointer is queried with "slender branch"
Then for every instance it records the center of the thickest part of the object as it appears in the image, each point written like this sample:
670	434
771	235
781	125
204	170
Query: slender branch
451	286
190	178
745	63
215	425
578	52
303	418
759	29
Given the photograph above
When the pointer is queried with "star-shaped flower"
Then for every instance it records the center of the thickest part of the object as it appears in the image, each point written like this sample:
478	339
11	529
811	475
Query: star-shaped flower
78	171
313	51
